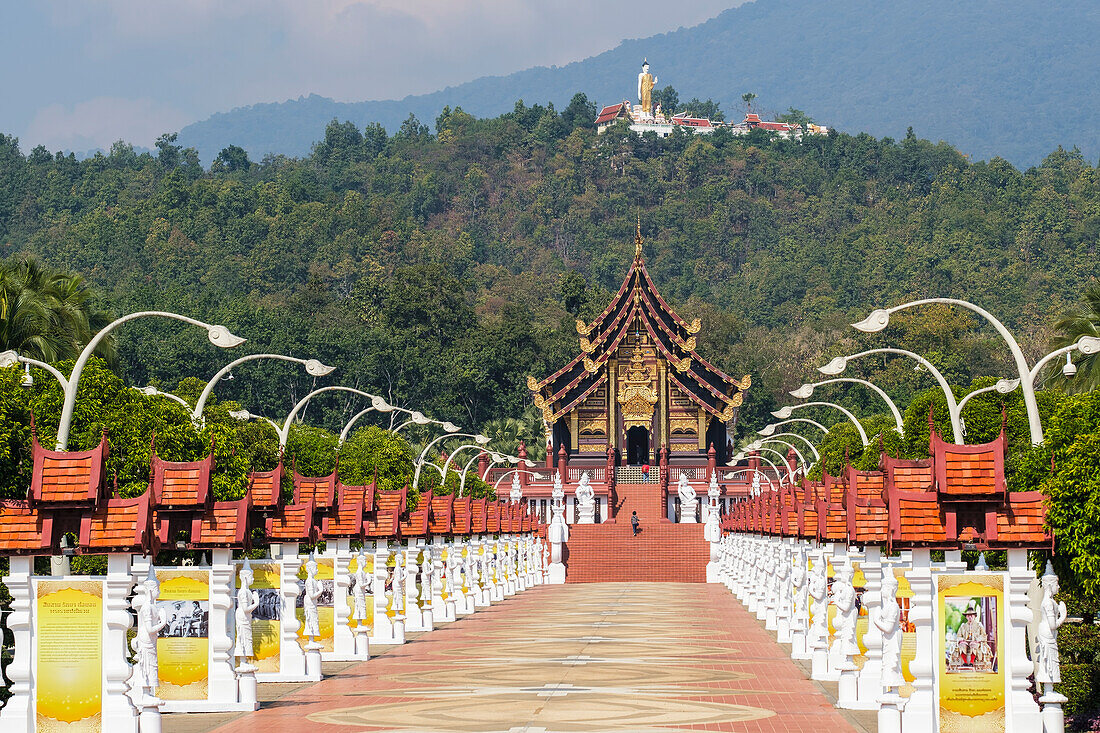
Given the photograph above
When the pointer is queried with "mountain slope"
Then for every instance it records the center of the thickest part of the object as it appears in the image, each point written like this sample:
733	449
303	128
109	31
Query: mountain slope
1013	79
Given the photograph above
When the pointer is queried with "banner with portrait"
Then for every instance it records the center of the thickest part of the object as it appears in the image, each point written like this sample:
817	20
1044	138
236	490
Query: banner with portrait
68	634
970	631
183	649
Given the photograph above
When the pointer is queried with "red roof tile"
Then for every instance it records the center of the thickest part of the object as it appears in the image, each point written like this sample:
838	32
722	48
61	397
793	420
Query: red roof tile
225	524
292	523
119	525
180	485
69	479
345	520
318	490
265	488
24	530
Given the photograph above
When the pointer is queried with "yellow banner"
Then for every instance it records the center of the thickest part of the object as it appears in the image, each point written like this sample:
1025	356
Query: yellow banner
184	645
69	652
325	615
266	618
970	636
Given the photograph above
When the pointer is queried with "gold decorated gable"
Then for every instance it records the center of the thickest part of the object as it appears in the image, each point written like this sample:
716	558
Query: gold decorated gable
638	394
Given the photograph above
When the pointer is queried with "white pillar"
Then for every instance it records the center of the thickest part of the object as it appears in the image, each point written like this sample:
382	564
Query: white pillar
920	710
118	711
343	638
292	658
223	676
869	684
382	633
1023	713
18	714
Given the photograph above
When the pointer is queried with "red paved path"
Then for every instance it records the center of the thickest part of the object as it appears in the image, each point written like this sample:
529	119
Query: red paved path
600	656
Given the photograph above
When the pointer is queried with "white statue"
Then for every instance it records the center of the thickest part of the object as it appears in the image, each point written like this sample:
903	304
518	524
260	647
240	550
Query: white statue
516	493
1052	614
798	599
311	592
247	603
586	500
887	619
150	620
819	591
689	500
359	583
756	483
397	585
844	598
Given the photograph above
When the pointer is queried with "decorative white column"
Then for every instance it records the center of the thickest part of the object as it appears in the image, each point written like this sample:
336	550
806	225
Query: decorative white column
292	658
558	534
771	587
800	612
482	595
382	633
343	638
847	613
818	640
920	710
712	534
869	683
1023	712
414	618
118	711
18	714
223	675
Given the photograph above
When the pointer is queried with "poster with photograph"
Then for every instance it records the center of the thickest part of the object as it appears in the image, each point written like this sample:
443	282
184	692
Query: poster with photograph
325	611
970	629
183	648
353	568
266	617
68	637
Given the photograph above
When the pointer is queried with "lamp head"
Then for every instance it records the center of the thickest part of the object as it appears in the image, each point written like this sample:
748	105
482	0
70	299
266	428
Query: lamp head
419	418
513	460
1088	345
480	439
834	367
529	463
149	391
450	427
768	430
1070	368
8	358
878	320
222	338
239	414
1004	386
317	369
783	413
28	381
803	392
380	404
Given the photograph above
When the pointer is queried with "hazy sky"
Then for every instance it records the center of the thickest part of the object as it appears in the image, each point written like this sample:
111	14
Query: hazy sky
80	74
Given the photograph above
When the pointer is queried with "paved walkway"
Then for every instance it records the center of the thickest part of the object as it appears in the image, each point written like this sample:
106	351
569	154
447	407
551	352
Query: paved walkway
644	657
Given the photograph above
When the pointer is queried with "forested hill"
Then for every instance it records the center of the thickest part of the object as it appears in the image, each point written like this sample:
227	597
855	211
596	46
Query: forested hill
441	267
1007	78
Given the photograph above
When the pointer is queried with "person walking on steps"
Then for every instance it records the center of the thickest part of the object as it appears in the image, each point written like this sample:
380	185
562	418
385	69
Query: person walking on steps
634	522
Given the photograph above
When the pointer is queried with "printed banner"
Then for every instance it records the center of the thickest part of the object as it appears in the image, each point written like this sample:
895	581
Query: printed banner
353	568
325	614
970	631
68	634
267	616
183	648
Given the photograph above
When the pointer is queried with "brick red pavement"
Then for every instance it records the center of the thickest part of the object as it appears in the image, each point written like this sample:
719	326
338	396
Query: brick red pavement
598	656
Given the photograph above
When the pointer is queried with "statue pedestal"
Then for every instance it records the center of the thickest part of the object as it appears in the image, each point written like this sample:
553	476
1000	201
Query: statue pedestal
149	714
586	513
689	511
889	712
247	693
313	661
1054	720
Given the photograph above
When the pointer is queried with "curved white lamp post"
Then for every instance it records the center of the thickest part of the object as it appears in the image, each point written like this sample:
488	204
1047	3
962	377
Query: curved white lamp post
788	472
447	463
813	448
518	469
478	438
418	418
1003	386
284	431
152	391
837	365
377	404
807	390
770	428
1087	345
313	368
801	458
218	335
11	358
244	415
880	318
785	412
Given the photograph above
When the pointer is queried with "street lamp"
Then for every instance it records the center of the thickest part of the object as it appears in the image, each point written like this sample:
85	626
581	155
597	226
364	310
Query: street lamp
785	412
880	318
783	458
220	336
770	428
477	437
284	431
817	456
801	458
838	365
313	368
807	390
418	418
10	358
1003	386
244	415
754	470
152	391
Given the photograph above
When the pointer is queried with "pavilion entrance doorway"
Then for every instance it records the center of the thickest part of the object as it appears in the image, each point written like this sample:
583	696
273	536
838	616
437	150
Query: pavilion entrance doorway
637	446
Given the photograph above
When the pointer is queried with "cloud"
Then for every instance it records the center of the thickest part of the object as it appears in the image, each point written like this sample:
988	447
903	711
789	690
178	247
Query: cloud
99	122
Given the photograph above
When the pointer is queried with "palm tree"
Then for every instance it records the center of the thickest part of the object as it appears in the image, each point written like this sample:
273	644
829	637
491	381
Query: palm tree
1072	326
48	314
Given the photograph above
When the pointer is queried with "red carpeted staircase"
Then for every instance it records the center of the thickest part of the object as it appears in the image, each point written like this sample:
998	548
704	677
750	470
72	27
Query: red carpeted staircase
662	551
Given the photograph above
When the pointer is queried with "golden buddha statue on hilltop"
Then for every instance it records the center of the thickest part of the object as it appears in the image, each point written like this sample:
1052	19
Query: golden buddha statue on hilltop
646	82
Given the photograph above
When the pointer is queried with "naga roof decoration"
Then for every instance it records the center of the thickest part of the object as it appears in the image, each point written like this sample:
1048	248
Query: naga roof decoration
638	301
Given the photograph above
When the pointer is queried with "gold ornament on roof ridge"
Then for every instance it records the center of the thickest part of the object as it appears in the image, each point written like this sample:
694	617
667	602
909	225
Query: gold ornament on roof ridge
587	346
532	383
638	239
690	344
693	327
584	329
683	365
590	366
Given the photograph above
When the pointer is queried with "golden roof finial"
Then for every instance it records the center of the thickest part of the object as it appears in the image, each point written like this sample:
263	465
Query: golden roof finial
638	239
